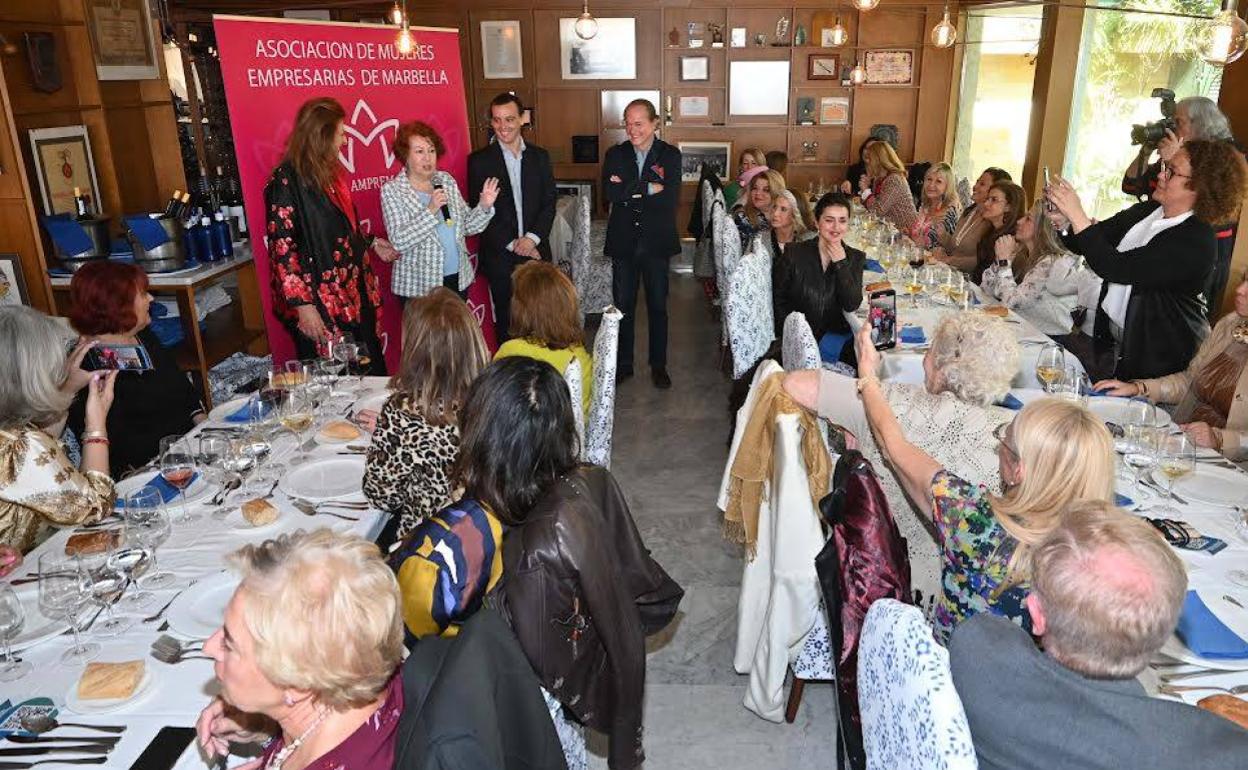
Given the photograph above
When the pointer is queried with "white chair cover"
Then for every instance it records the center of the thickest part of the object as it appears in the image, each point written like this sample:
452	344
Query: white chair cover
798	348
815	663
728	240
576	388
912	716
747	311
717	245
596	449
591	269
703	255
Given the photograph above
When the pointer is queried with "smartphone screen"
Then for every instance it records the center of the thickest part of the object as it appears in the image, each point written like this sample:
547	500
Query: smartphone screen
882	315
126	358
165	749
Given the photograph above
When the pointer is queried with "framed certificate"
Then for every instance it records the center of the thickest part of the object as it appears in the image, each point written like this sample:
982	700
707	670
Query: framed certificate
500	50
62	162
123	41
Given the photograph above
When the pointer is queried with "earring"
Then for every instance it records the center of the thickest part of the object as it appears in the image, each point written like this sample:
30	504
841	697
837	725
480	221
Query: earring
289	701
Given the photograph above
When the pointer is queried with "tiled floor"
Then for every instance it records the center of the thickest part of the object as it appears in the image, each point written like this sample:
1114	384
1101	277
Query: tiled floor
669	453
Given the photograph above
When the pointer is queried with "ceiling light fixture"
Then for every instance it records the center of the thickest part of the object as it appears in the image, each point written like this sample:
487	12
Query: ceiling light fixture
1224	37
586	25
944	34
866	5
838	35
858	75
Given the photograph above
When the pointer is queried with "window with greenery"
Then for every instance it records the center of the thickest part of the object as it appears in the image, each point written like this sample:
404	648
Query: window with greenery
1125	53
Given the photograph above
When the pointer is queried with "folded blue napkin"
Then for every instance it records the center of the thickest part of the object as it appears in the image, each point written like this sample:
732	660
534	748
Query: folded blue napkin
912	335
147	230
69	237
831	345
874	266
1207	636
243	413
1010	402
167	491
1122	501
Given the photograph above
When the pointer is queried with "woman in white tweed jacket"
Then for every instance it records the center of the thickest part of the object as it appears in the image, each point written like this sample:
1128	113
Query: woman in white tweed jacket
431	251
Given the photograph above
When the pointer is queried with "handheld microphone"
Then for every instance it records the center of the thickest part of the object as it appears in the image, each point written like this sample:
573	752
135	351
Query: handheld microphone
446	210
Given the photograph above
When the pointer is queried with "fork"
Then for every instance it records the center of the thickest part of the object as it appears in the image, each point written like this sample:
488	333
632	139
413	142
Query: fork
174	657
312	510
1174	689
160	613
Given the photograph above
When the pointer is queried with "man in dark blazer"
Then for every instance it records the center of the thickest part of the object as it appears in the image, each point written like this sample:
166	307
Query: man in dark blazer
641	181
520	228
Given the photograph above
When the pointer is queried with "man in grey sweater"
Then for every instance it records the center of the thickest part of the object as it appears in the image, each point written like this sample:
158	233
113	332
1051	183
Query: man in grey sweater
1106	593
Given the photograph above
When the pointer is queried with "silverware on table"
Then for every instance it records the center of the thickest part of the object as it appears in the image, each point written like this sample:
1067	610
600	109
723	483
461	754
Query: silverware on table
1232	600
1186	675
1159	489
158	614
1174	689
70	761
226	489
83	748
173	643
313	510
64	738
174	657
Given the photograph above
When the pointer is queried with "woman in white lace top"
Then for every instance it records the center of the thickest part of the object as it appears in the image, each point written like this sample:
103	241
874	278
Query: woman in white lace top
967	369
1034	275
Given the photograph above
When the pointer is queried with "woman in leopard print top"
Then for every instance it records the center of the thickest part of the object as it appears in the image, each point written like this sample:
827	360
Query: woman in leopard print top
416	439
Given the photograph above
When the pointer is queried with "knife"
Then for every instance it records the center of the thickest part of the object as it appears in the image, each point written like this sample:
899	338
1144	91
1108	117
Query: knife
72	761
84	748
112	739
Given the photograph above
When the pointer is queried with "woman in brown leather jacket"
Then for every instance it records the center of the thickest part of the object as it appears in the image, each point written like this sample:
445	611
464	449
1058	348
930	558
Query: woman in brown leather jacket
579	587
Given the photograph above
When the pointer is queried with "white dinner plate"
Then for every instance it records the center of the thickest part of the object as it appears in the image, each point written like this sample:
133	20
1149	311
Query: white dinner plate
199	489
221	411
1211	484
325	479
1117	410
109	705
37	628
200	610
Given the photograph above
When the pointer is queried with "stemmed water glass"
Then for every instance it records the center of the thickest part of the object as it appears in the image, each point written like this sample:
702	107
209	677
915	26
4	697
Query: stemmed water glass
1051	365
12	618
212	452
1140	443
106	583
63	592
147	526
177	467
1178	458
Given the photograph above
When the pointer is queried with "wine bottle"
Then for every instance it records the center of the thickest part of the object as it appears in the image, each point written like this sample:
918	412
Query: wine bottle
80	205
171	208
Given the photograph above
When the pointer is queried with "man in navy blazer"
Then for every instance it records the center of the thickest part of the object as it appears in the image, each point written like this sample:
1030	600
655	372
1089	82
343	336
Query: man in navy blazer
521	225
641	181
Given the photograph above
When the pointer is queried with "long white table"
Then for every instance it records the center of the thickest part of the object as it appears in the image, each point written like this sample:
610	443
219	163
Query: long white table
194	550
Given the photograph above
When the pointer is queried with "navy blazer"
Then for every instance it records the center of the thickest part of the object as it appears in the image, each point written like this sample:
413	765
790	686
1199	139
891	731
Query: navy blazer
537	189
637	218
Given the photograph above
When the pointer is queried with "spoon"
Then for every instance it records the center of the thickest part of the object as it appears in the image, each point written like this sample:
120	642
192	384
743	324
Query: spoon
42	723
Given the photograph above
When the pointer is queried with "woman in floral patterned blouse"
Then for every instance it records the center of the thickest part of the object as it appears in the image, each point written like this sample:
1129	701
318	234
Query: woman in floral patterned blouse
939	210
323	284
1054	453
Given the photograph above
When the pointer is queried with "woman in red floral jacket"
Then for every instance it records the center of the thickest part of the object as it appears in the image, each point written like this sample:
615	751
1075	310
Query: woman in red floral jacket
323	284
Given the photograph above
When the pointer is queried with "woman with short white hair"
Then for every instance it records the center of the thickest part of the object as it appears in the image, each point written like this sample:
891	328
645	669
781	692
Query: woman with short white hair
967	368
38	483
308	655
791	222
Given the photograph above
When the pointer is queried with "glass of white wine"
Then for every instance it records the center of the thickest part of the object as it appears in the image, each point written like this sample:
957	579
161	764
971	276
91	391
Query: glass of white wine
913	285
297	414
1050	365
1140	443
1177	459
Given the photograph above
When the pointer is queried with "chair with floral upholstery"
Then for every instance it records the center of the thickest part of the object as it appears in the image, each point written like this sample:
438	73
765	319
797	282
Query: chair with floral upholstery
798	347
591	269
576	389
747	311
596	446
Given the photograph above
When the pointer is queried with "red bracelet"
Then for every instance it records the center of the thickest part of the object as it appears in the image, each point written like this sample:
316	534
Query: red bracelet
95	440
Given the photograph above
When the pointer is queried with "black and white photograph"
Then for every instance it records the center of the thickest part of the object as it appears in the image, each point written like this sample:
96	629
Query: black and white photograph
609	55
694	154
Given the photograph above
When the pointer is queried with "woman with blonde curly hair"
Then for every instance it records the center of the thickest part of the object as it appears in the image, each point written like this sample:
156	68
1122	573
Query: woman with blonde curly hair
939	208
966	370
753	218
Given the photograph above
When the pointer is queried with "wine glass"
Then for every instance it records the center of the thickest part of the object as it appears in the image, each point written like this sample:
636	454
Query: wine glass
1177	459
1140	441
297	415
106	583
63	592
913	285
132	560
147	525
932	282
240	463
12	618
298	373
955	288
212	452
1050	365
177	468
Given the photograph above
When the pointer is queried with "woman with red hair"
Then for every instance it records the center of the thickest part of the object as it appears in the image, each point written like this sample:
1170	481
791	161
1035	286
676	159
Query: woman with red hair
109	304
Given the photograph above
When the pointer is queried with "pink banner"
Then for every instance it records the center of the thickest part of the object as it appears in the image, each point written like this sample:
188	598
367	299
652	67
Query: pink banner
272	66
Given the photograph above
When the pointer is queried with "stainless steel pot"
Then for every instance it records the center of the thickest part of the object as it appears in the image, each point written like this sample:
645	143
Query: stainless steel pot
72	264
97	230
170	255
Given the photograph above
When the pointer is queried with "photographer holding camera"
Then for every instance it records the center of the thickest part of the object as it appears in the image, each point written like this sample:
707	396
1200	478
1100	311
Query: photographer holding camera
1193	118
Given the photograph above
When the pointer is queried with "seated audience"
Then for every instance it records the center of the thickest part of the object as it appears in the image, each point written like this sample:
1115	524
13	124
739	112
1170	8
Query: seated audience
960	248
752	218
581	590
967	369
750	159
416	440
1155	258
1053	453
1212	392
856	172
777	161
1034	275
938	209
1106	592
885	191
307	658
821	279
109	304
1004	204
546	322
790	221
38	484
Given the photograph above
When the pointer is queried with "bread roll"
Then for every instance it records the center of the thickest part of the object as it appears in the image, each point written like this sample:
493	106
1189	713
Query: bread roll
340	430
1000	311
85	543
101	681
878	286
1228	706
259	512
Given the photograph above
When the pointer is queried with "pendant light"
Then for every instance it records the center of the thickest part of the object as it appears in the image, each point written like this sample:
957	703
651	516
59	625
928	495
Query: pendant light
866	5
858	75
404	42
944	34
396	15
586	26
838	35
1224	37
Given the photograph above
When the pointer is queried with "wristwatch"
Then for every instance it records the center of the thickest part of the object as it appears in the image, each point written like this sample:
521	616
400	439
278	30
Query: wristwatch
1003	263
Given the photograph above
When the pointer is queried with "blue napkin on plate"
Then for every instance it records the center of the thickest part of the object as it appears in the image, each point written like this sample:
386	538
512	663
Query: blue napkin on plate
147	230
68	235
1207	636
912	335
168	492
873	265
243	413
1122	501
1010	402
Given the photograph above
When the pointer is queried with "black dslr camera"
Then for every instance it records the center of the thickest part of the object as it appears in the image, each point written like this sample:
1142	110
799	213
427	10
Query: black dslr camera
1151	134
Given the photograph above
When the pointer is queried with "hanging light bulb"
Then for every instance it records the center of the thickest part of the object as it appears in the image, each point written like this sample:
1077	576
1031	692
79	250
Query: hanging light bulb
1224	37
838	34
404	42
858	75
586	25
866	5
944	34
396	15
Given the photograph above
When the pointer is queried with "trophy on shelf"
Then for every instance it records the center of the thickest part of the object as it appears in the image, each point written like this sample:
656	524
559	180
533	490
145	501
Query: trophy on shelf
695	30
673	38
799	37
717	35
760	39
667	113
782	31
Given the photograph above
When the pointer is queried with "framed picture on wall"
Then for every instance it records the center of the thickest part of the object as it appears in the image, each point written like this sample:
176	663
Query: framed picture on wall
834	111
822	66
752	87
889	68
62	162
12	283
500	50
695	68
694	106
122	39
609	55
694	154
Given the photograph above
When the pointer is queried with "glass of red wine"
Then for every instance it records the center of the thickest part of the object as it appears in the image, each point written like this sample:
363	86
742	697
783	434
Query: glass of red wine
177	468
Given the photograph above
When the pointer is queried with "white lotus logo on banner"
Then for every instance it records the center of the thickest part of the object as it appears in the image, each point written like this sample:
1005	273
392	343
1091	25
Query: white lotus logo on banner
377	133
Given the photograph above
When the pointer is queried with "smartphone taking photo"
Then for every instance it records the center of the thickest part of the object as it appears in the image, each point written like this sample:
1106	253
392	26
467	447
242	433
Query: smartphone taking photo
882	315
